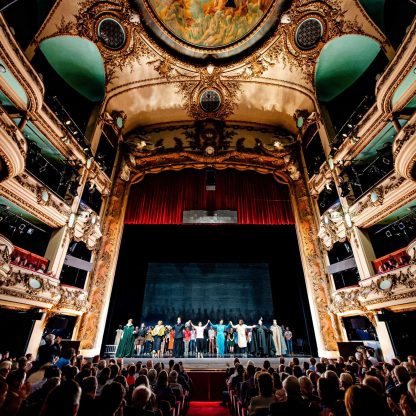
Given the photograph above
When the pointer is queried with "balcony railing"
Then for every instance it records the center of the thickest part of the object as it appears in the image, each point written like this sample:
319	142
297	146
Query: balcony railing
37	288
381	290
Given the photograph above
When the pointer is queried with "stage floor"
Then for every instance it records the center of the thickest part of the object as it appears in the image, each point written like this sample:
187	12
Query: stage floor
204	364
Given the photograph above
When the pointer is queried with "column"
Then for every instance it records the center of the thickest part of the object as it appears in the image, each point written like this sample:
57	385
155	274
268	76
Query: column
101	282
326	325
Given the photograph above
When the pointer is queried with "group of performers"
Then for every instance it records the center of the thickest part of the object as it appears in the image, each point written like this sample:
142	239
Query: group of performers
189	340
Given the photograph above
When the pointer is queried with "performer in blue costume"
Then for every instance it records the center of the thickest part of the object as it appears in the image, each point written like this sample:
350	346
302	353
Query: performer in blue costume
220	328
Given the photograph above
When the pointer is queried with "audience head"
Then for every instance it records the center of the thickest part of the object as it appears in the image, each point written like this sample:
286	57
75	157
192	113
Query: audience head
63	400
265	383
111	398
363	401
306	386
173	377
375	384
346	380
89	386
291	386
140	397
162	380
401	374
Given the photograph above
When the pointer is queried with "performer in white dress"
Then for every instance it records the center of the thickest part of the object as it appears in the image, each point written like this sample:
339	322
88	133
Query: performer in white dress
119	334
278	338
241	329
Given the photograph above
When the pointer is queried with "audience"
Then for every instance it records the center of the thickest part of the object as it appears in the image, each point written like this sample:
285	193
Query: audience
354	386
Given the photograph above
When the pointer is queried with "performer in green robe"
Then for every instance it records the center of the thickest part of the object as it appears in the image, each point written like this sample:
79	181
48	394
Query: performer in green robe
126	346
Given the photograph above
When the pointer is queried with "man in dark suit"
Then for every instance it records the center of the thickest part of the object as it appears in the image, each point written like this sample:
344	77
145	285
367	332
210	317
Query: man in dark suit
178	344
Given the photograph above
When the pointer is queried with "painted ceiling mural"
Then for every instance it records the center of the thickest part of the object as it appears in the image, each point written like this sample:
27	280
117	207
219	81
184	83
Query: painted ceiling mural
210	23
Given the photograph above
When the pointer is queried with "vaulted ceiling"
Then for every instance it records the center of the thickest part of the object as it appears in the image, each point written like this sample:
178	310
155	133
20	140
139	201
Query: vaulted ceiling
156	60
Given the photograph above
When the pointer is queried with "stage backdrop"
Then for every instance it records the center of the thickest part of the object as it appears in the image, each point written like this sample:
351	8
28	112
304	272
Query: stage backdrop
201	291
162	198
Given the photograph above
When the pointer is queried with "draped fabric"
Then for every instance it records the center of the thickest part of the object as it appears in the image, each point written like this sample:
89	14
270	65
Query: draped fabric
162	198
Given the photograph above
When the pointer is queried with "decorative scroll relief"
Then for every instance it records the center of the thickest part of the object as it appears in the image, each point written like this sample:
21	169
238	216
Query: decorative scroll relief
86	227
381	196
13	147
404	151
378	290
332	228
28	285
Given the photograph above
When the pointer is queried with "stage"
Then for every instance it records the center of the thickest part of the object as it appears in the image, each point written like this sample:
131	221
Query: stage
213	363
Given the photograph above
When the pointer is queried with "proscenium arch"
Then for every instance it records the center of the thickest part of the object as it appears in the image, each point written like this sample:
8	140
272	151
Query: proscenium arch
306	231
341	63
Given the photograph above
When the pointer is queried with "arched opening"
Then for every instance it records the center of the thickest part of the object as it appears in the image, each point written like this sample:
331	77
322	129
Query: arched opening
346	75
220	270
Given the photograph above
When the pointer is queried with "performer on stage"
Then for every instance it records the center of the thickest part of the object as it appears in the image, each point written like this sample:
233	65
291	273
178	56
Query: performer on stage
126	346
262	341
200	340
178	345
211	341
119	334
140	336
148	341
192	342
158	333
278	339
171	342
187	339
220	328
230	341
288	337
241	329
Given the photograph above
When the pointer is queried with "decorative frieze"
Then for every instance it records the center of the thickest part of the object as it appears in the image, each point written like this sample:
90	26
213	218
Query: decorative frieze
380	290
86	227
34	287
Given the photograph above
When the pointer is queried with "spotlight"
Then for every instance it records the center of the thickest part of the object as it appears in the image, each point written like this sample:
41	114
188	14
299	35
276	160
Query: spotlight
401	226
30	231
67	122
350	126
344	135
388	233
22	227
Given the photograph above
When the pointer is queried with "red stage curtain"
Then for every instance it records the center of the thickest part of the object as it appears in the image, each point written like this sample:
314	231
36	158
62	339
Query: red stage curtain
161	198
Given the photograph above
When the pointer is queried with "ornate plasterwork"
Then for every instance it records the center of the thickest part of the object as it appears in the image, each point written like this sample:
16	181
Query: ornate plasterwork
404	150
333	19
191	90
13	147
90	13
378	290
381	191
333	229
20	284
43	196
86	228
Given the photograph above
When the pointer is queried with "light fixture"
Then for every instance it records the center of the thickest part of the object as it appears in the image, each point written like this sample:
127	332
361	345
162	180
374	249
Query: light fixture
2	69
388	233
67	122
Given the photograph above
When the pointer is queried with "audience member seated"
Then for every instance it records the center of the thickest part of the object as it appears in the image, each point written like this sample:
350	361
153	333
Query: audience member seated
265	398
294	403
139	403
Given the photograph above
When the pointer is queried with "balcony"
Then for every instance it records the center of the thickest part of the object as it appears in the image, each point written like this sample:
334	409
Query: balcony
384	290
35	287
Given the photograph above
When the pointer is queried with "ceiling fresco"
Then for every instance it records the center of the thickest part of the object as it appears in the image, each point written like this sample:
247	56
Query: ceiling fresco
211	25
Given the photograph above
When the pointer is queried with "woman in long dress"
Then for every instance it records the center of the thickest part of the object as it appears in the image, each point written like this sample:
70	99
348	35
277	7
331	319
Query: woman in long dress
126	346
220	328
